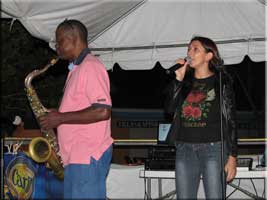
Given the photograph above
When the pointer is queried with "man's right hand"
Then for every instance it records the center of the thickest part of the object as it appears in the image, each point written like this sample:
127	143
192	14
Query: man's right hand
51	120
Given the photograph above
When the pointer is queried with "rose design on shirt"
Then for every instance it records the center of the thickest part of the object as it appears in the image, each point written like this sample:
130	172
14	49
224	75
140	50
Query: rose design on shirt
190	111
195	97
197	104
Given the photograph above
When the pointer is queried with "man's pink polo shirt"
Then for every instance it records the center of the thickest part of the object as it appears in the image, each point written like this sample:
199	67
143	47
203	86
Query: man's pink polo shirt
87	85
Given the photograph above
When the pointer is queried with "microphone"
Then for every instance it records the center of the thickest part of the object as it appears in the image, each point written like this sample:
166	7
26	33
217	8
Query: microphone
177	66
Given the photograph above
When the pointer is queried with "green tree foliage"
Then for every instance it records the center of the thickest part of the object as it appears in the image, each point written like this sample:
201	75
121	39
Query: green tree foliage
21	54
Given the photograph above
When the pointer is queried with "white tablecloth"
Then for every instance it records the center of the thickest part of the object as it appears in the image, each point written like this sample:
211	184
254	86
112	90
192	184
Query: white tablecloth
124	182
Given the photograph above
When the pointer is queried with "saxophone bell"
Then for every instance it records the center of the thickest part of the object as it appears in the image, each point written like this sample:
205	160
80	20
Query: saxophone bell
39	149
41	152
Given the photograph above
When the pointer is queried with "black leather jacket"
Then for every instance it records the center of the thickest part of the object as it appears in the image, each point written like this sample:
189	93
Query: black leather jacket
176	93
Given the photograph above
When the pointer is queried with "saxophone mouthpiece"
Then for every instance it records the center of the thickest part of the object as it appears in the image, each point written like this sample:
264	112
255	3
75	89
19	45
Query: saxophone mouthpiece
53	61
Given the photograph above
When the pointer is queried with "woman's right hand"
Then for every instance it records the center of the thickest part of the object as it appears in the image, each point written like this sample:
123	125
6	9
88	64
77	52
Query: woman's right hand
181	71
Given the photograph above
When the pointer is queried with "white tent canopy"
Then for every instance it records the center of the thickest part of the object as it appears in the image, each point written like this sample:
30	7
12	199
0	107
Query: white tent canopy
138	33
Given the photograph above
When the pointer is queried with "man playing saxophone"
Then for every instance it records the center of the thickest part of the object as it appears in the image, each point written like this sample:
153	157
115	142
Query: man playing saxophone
83	118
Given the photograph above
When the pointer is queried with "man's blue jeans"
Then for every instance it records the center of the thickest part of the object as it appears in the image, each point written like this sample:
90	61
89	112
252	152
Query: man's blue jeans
196	160
83	181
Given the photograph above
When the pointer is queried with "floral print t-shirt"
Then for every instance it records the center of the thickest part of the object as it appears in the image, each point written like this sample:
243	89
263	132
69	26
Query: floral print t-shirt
200	116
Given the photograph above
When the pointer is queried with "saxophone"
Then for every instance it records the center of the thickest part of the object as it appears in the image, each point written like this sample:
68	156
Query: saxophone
46	148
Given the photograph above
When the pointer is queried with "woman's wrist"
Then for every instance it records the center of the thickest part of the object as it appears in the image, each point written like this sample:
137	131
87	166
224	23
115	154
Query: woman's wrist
232	159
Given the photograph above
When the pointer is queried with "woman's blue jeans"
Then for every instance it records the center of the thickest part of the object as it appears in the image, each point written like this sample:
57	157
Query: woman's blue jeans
82	181
196	160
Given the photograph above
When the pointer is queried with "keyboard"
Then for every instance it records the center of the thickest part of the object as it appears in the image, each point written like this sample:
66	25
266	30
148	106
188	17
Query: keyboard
244	164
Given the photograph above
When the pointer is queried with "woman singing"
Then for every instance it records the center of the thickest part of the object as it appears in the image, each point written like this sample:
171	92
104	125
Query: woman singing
194	100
